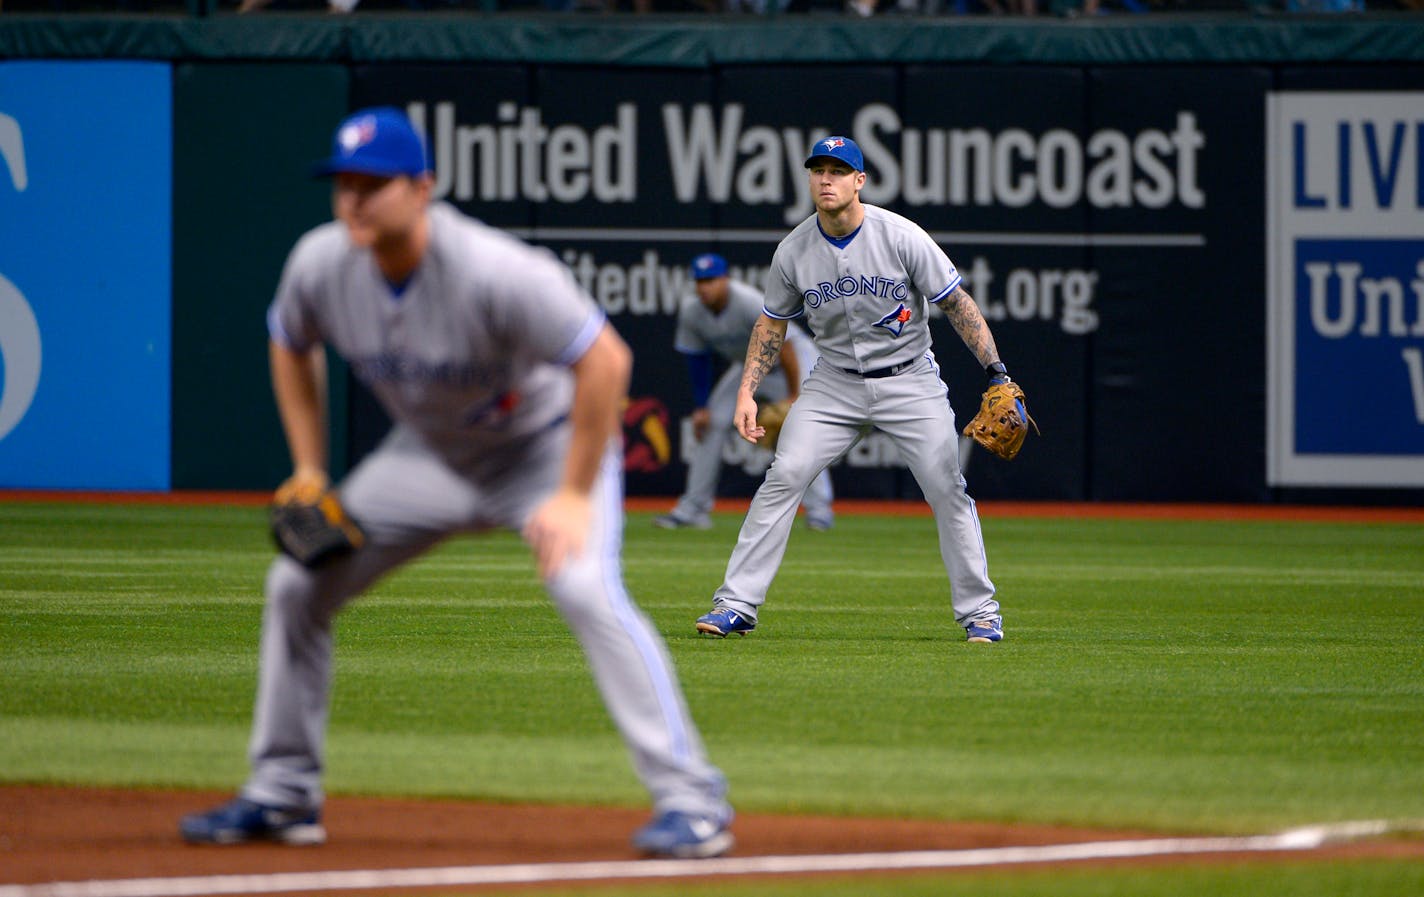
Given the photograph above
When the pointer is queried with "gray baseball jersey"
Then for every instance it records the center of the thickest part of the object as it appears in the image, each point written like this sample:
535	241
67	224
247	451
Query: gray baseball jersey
470	358
866	297
472	372
867	302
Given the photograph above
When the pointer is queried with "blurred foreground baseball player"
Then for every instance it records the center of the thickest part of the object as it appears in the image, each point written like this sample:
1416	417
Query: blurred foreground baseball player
863	277
504	381
719	318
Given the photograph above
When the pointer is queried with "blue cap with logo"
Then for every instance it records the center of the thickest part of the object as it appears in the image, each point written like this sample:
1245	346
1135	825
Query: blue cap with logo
708	265
380	141
842	149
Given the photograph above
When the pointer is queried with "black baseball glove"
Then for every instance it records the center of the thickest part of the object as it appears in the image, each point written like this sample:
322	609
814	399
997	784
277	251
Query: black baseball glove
310	525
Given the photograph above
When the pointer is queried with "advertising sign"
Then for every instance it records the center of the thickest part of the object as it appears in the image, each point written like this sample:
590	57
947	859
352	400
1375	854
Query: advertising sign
1177	226
85	274
1098	216
1345	296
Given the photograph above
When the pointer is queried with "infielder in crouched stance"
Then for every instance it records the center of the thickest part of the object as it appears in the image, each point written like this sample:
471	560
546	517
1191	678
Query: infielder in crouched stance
504	381
863	278
719	318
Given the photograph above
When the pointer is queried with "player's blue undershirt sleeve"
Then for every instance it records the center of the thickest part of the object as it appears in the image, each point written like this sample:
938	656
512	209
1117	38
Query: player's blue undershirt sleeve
699	369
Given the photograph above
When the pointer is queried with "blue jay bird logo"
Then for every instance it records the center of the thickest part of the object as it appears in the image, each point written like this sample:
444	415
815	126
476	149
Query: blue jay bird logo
357	134
896	320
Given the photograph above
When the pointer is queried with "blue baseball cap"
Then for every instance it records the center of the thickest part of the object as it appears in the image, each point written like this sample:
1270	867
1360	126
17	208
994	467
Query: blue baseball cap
708	265
842	149
379	141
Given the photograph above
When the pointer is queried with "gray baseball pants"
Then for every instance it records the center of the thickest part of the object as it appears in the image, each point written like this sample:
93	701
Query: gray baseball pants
834	409
408	500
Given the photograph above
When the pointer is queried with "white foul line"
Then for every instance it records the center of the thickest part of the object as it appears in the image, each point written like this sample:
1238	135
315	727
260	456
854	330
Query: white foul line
1307	838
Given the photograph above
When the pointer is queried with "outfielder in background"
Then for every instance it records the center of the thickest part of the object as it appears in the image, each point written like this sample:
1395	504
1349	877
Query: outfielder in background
504	380
718	318
863	277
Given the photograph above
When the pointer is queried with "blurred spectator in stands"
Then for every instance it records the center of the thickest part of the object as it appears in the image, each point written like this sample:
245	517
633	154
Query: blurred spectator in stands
1325	5
760	7
944	7
1072	8
334	6
1013	7
637	6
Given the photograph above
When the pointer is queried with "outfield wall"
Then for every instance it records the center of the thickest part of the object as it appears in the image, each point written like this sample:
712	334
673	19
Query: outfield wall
1200	243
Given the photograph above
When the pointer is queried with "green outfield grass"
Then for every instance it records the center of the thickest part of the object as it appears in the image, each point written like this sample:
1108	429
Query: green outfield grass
1212	677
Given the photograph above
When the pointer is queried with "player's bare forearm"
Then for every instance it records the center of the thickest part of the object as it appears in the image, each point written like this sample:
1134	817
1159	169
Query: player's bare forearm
967	321
601	379
299	385
763	352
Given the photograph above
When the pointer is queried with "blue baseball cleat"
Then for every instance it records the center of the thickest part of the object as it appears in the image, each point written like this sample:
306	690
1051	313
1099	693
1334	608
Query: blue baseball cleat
684	836
723	621
984	631
241	820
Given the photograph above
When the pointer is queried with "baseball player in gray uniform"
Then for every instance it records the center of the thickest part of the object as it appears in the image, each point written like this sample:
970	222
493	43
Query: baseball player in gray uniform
718	318
863	277
504	381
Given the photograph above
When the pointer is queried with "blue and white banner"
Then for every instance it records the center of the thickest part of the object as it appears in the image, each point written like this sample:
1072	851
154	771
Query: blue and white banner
1345	289
85	282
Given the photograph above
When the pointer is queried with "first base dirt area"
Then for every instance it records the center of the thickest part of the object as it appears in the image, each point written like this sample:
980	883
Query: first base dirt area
99	841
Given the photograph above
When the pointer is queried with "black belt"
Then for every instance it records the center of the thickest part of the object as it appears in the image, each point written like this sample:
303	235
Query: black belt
882	372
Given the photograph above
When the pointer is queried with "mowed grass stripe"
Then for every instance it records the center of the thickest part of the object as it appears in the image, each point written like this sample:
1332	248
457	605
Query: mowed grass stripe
1182	676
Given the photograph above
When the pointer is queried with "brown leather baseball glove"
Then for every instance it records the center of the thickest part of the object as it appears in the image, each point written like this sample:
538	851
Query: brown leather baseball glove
771	415
1001	425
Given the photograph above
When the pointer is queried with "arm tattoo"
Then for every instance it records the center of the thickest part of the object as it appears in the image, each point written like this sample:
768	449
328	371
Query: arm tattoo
968	322
763	352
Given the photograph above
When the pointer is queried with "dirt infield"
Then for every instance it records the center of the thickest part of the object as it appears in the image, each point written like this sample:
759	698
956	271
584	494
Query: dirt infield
55	834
